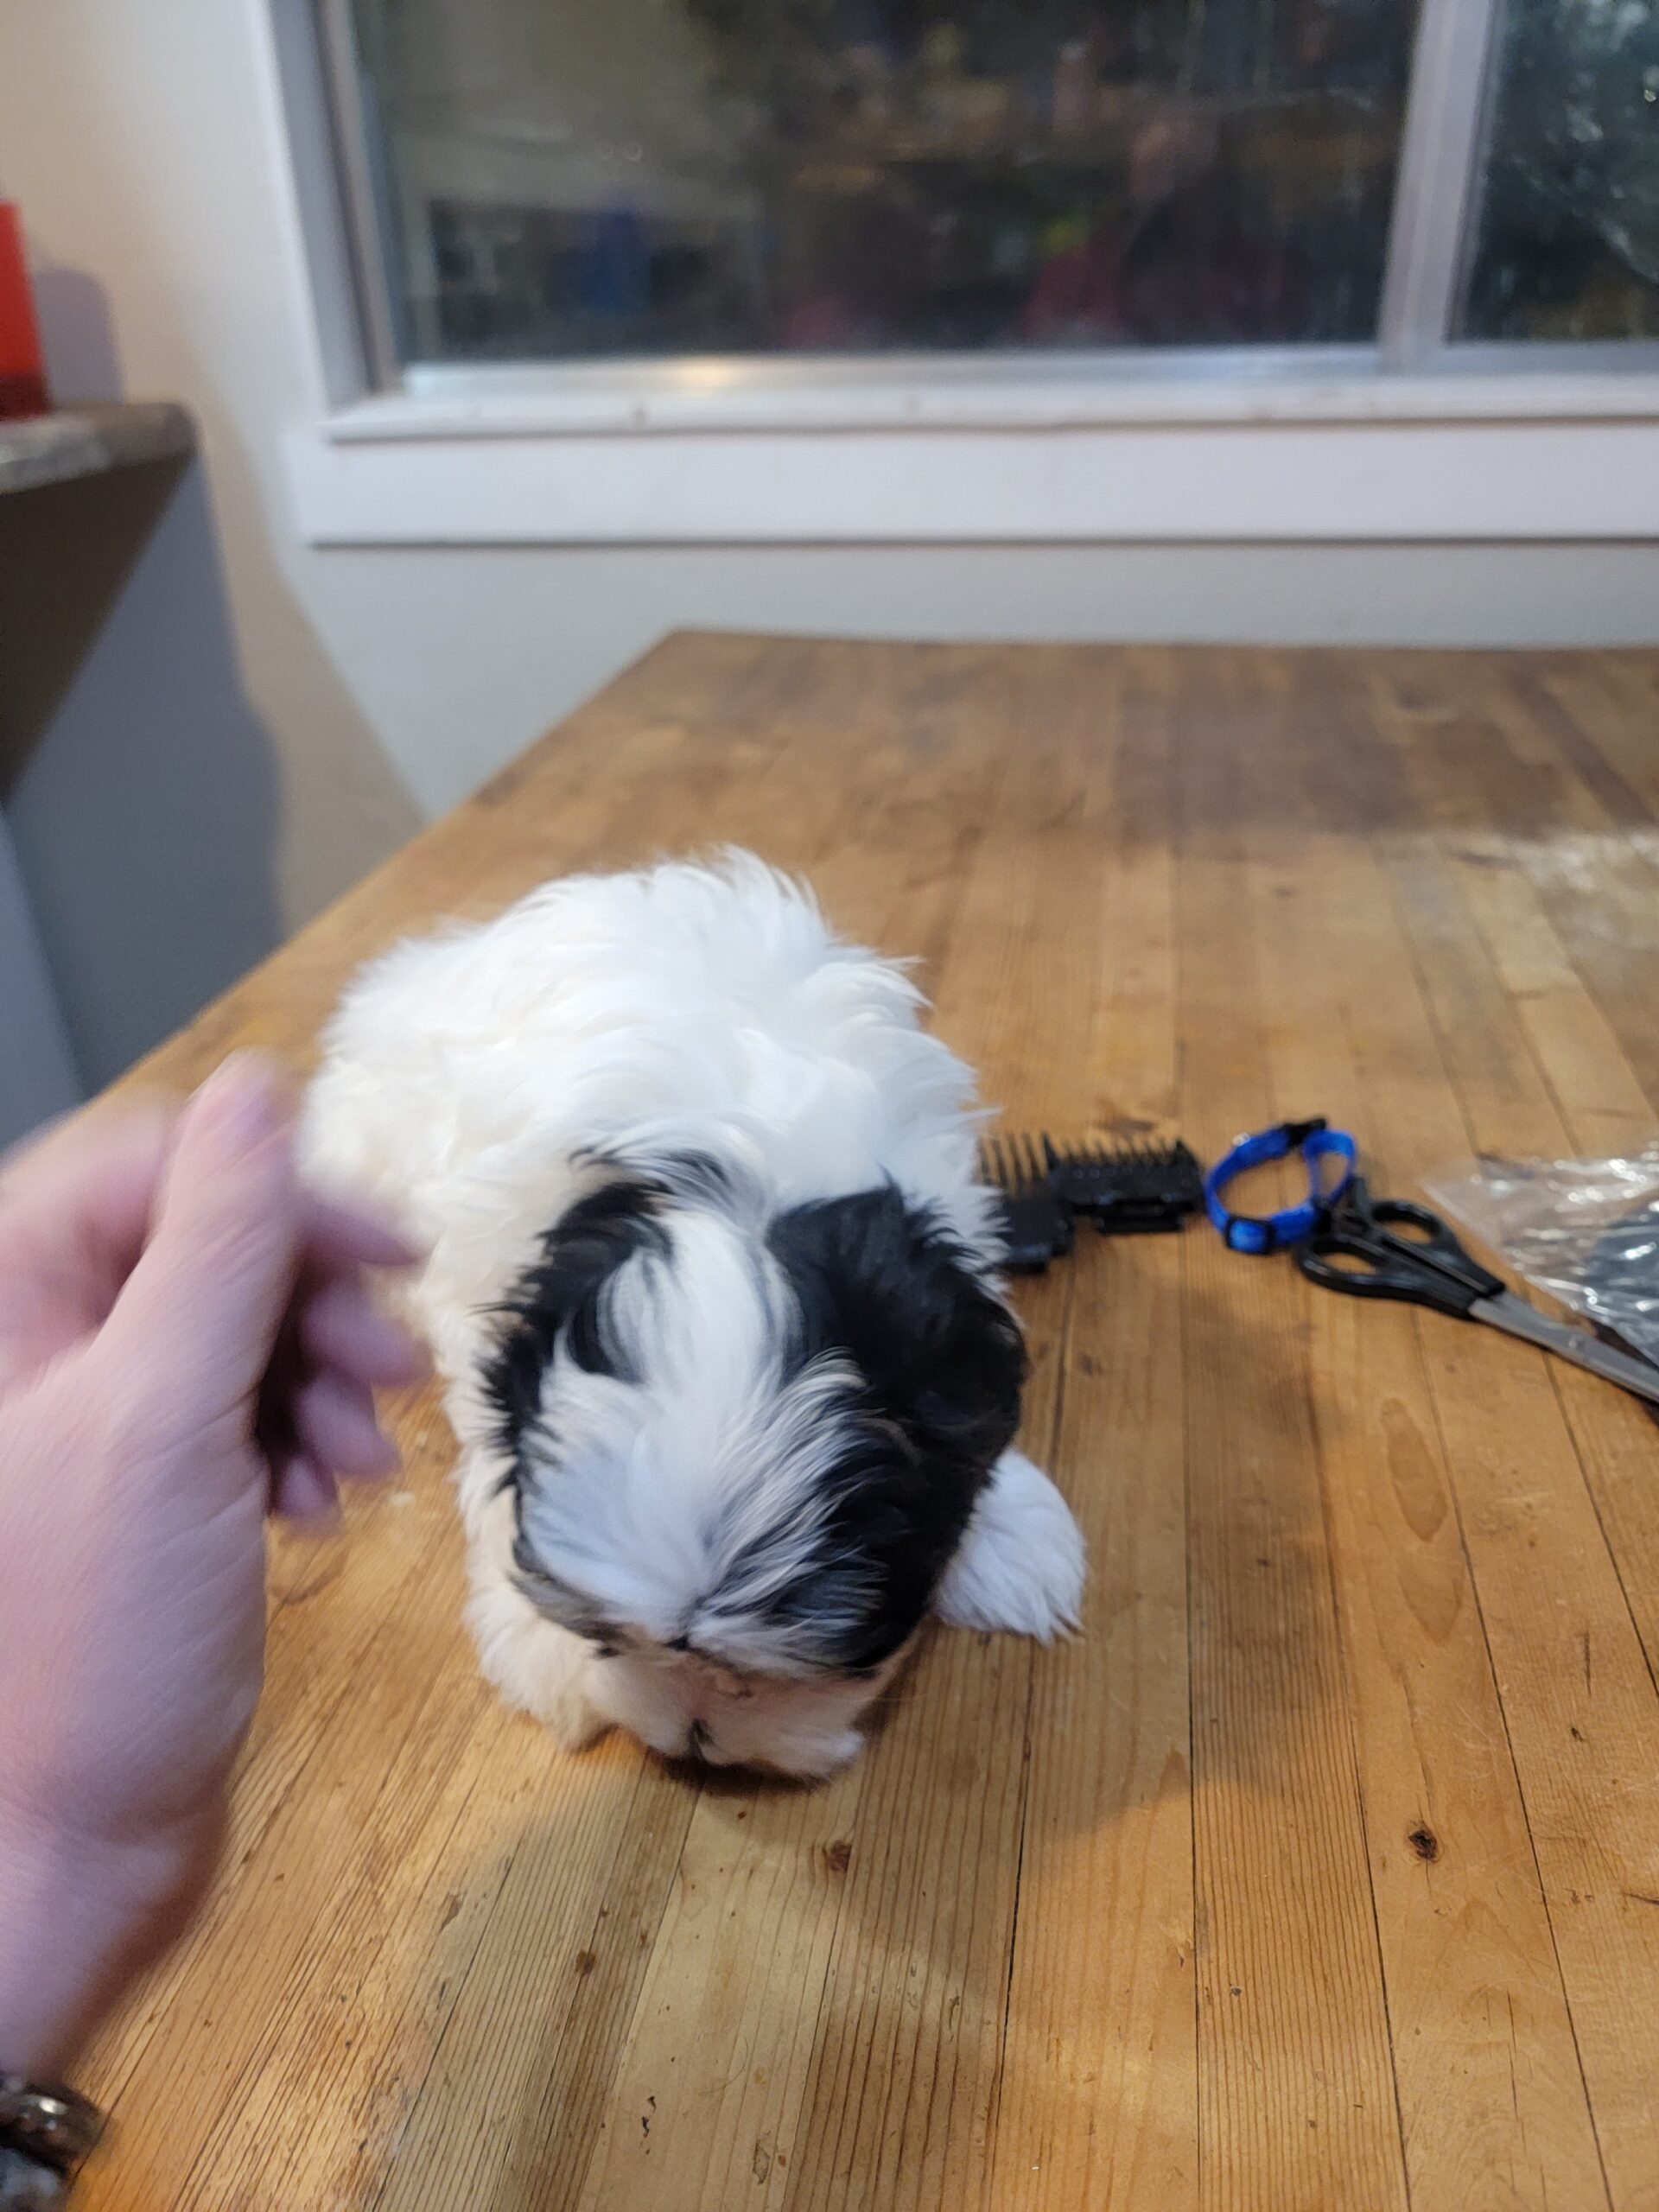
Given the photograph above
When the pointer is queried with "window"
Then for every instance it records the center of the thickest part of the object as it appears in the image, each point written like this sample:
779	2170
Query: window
784	177
1567	243
605	180
973	271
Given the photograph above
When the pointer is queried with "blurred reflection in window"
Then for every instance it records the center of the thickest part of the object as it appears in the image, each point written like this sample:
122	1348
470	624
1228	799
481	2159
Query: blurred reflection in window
1567	239
606	178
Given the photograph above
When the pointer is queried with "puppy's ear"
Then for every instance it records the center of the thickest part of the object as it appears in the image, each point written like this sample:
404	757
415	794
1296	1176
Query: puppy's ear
940	1361
561	1296
942	1357
1020	1566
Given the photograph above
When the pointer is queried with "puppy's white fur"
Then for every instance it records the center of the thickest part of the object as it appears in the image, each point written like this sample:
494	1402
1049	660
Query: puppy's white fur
479	1083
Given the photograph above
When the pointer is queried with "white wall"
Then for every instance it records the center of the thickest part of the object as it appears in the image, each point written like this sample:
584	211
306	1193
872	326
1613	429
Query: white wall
384	683
207	778
509	639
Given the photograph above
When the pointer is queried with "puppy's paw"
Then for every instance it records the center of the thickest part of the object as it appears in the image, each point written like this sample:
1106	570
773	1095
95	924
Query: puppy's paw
1020	1564
572	1721
538	1669
823	1756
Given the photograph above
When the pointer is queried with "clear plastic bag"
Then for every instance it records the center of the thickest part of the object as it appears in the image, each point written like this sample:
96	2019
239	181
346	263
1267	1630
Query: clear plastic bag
1585	1230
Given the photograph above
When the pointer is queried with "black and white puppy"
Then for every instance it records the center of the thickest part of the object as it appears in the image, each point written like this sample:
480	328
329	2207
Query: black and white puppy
712	1287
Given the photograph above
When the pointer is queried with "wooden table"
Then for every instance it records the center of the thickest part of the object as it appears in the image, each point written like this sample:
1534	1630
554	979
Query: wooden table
1322	1871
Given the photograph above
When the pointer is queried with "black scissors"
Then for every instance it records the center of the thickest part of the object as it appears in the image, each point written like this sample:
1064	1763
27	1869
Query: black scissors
1353	1250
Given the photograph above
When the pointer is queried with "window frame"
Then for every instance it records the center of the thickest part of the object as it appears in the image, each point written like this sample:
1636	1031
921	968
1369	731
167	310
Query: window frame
1414	435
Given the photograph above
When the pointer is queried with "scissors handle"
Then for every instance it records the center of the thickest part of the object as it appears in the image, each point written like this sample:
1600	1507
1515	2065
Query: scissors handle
1430	1268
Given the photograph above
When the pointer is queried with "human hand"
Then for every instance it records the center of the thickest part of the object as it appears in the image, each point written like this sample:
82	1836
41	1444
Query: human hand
186	1343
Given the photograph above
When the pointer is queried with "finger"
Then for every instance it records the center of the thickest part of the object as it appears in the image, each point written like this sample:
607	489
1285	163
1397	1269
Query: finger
75	1208
338	1327
304	1492
199	1314
338	1234
98	1169
62	1148
334	1421
40	1139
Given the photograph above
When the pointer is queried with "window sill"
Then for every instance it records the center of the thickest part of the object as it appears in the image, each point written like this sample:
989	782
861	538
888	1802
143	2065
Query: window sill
881	452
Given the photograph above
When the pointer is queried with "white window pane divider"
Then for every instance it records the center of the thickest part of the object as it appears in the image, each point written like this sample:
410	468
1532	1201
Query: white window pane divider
1434	195
363	211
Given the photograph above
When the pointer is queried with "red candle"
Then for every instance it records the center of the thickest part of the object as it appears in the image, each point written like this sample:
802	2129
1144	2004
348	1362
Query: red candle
22	375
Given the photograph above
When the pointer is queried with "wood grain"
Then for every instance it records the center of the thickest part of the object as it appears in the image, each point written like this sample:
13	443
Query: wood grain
1492	2105
1297	2097
1320	1870
1098	2102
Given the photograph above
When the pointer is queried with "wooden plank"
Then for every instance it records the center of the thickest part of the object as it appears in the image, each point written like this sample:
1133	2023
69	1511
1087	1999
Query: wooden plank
1493	2108
1297	2106
1499	756
1598	710
1583	1095
909	2045
1580	1707
1098	2102
1603	1107
708	2099
528	2047
1578	1696
292	1909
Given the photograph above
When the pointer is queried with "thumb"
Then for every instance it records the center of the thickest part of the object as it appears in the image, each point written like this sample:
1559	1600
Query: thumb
201	1311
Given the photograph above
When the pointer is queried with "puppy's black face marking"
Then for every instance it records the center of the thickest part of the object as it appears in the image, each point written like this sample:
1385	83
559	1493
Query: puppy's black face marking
942	1364
562	1295
936	1367
560	1299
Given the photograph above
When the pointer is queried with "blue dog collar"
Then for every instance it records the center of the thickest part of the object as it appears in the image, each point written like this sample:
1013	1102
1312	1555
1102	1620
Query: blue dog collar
1243	1232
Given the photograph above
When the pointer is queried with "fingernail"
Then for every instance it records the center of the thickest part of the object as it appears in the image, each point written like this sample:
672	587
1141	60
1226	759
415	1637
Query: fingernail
394	1349
246	1100
387	1461
306	1493
414	1361
392	1249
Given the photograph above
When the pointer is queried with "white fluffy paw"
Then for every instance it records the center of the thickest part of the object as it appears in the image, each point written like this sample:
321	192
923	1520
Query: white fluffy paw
1020	1564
